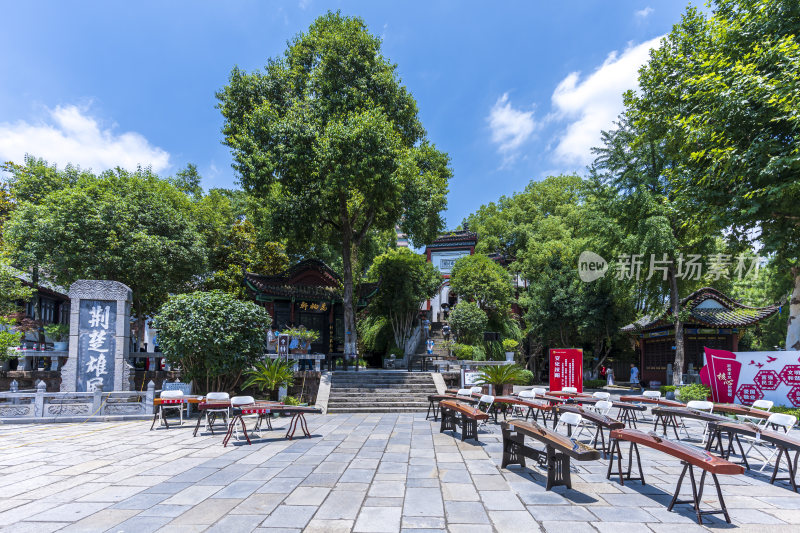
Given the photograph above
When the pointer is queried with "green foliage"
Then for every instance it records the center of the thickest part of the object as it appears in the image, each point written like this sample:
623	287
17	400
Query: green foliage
468	322
594	383
502	375
529	377
187	181
332	138
479	279
291	400
510	345
405	279
695	391
374	334
130	227
12	291
9	338
667	388
268	375
211	336
57	332
794	411
463	351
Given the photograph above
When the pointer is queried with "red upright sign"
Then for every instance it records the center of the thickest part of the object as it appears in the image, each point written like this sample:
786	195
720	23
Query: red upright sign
566	368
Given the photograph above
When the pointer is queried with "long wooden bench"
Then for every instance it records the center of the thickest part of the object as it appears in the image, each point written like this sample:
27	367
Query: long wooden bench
600	421
556	455
655	401
434	399
533	406
782	441
456	412
741	410
689	456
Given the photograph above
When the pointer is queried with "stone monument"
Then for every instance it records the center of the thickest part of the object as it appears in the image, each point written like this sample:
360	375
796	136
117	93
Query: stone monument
99	335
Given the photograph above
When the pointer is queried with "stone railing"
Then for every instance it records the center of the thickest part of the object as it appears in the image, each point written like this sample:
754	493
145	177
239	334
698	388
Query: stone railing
49	406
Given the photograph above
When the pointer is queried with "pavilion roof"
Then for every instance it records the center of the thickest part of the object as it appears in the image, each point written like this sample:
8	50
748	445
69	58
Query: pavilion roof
310	279
708	307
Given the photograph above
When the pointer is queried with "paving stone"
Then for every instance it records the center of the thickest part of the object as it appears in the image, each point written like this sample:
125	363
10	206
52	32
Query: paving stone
288	516
513	521
238	523
101	521
166	510
423	502
341	505
567	527
613	514
280	485
378	520
329	526
620	527
69	512
307	496
142	524
560	512
192	495
387	489
466	513
422	522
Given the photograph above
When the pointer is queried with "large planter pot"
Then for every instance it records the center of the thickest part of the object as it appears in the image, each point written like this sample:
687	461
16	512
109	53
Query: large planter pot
61	346
510	356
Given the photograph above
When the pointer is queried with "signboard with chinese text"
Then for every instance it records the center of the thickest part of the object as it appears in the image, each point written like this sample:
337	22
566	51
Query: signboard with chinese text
744	377
469	378
566	368
444	261
96	344
316	307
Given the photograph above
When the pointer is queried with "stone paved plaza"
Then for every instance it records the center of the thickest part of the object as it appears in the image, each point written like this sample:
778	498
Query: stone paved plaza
382	472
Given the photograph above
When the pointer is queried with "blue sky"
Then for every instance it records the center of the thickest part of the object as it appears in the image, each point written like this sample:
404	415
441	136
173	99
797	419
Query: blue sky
513	91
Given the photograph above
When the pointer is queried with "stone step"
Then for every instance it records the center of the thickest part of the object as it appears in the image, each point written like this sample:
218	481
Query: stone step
416	405
377	410
388	393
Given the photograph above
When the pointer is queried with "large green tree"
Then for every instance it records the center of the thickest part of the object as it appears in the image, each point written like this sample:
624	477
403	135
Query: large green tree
329	132
404	280
477	278
725	90
130	227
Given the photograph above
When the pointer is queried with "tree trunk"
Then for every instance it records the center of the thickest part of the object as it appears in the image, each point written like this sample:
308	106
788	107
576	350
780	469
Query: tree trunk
37	308
350	337
675	304
793	329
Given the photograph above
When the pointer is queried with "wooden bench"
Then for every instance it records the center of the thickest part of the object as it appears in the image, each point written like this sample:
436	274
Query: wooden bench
264	410
532	406
782	441
740	410
601	421
689	456
434	399
454	412
668	416
556	455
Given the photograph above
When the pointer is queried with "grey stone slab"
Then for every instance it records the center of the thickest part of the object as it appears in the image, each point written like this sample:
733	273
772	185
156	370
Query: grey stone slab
613	514
423	502
290	516
307	496
387	489
561	512
422	522
341	505
142	524
239	523
166	510
513	521
567	527
383	502
465	513
378	520
620	527
69	512
353	475
141	501
321	480
501	500
258	504
238	489
329	526
280	485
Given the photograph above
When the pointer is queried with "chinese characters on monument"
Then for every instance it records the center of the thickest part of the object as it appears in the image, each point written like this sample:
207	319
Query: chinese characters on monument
96	344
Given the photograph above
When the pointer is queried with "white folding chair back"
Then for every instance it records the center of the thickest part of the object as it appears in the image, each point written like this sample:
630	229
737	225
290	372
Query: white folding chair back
485	405
464	392
652	394
571	420
602	395
765	405
570	389
527	394
701	405
240	401
476	390
603	407
775	419
539	391
226	412
170	395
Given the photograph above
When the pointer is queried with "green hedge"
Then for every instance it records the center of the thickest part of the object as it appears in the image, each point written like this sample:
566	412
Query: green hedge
666	388
594	383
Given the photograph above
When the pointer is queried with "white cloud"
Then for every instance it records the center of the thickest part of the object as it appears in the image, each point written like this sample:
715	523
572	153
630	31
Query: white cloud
644	13
70	135
510	127
593	103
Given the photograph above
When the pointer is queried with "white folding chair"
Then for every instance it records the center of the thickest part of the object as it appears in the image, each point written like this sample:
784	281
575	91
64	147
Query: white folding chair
539	391
775	419
654	394
766	405
602	395
485	404
526	395
240	401
466	393
476	390
699	405
571	420
173	400
570	389
226	413
603	407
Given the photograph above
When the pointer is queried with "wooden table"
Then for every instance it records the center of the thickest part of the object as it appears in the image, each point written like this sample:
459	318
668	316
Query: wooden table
298	416
532	405
655	401
434	399
187	399
689	456
601	421
456	411
669	415
558	450
216	404
782	441
741	410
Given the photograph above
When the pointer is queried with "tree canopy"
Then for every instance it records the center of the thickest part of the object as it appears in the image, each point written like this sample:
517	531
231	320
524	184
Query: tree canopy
479	279
332	136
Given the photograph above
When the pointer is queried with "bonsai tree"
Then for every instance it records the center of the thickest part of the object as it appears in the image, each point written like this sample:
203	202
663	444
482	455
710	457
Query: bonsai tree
269	375
57	332
213	337
510	345
501	376
303	336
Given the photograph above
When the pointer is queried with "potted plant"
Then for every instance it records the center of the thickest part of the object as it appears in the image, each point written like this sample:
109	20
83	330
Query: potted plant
502	378
510	347
304	338
269	375
60	335
9	339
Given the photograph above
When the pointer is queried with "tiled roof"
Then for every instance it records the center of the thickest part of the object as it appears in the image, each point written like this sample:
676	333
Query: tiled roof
456	236
44	284
732	314
309	279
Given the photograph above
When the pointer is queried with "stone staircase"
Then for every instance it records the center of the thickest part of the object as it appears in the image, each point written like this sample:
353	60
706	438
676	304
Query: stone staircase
380	391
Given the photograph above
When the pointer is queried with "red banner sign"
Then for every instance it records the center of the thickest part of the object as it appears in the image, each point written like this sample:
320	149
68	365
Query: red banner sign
566	368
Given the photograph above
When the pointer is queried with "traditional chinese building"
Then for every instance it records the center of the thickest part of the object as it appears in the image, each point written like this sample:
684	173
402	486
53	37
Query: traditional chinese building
715	321
443	253
306	294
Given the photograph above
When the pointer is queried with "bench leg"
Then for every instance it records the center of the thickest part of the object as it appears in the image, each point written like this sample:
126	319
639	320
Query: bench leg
623	476
469	428
697	495
557	469
448	423
512	449
792	466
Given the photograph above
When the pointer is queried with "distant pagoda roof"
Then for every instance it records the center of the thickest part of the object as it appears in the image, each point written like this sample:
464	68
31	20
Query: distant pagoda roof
310	279
708	307
455	238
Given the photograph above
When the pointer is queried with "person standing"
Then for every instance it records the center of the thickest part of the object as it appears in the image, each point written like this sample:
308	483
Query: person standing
635	377
446	332
609	376
429	345
426	325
